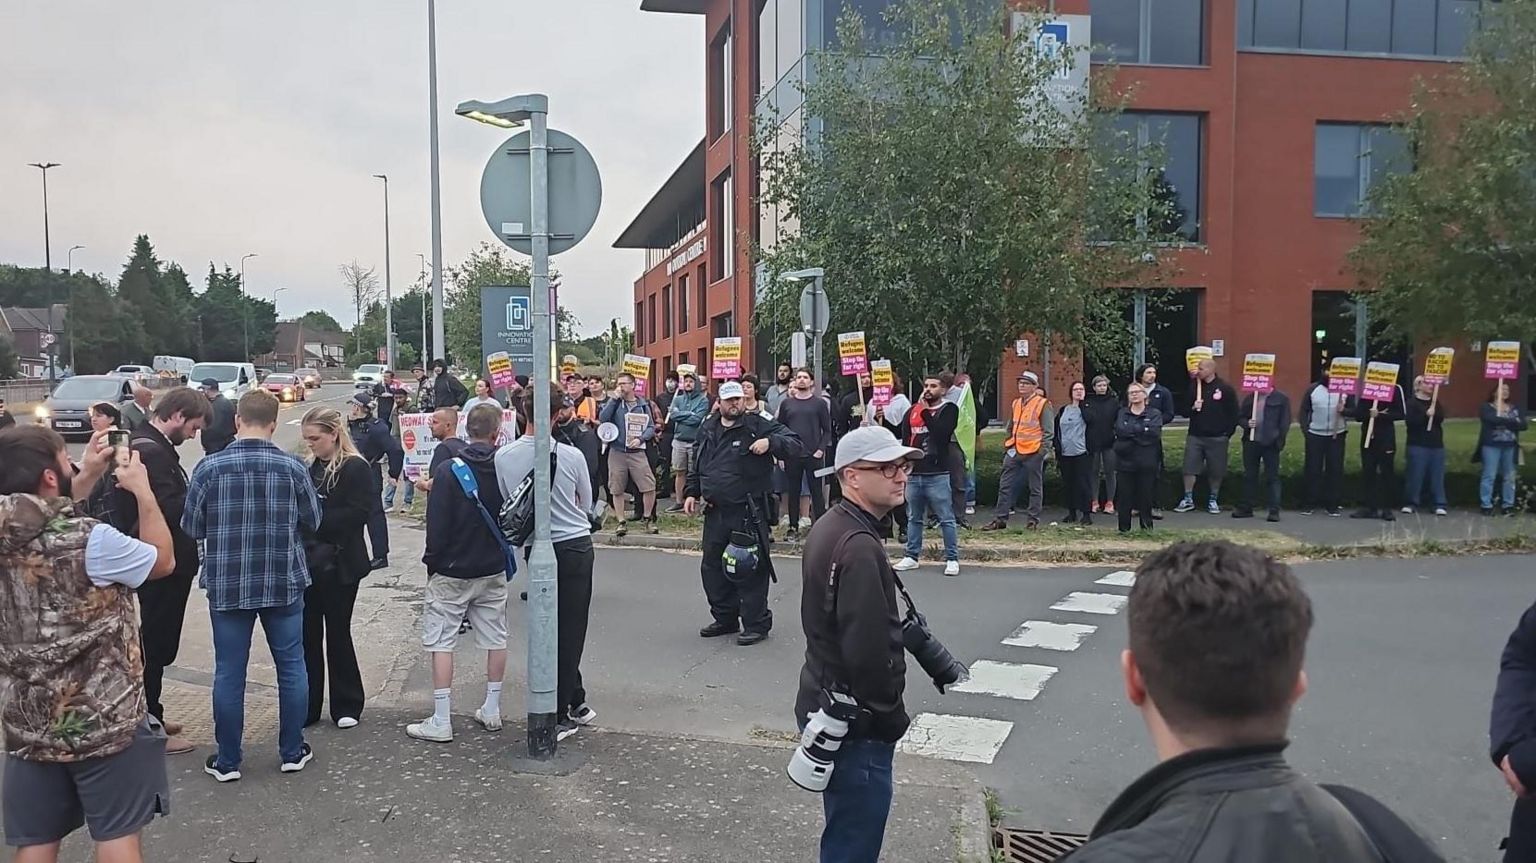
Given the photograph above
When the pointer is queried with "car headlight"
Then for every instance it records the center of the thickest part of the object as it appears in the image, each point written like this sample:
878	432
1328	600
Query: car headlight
42	412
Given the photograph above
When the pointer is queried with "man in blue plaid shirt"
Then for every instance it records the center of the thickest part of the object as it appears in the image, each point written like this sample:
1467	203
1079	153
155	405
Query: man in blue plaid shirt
248	504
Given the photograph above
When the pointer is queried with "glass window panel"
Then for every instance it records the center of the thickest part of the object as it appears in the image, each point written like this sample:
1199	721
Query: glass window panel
1245	23
1413	27
1277	23
727	67
1336	170
767	46
1322	24
1370	26
1177	32
1457	23
791	39
1179	137
1387	154
1116	29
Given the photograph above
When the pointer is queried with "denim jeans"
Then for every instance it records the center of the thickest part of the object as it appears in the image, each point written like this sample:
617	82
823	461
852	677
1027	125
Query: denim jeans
284	627
1425	463
389	493
1497	460
970	488
857	801
924	491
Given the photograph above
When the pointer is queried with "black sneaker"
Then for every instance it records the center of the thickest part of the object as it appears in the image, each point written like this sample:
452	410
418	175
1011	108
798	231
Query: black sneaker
1274	515
1242	513
747	639
651	527
676	507
717	629
583	715
211	767
306	753
380	562
1335	512
1386	515
566	727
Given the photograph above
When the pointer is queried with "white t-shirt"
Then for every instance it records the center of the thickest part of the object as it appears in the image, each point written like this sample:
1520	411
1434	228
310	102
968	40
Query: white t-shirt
571	497
476	401
113	557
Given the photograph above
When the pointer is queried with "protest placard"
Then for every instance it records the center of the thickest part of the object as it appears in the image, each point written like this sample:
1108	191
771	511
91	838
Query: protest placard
1501	361
852	351
1258	372
883	380
499	365
1344	376
725	361
1437	373
640	368
1380	386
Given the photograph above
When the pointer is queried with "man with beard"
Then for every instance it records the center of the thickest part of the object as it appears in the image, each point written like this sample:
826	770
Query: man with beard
423	390
377	446
808	415
780	390
930	426
733	460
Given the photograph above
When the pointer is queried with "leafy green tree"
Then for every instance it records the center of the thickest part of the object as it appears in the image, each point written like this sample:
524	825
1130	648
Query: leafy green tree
321	320
949	199
105	334
224	312
10	363
487	266
1450	247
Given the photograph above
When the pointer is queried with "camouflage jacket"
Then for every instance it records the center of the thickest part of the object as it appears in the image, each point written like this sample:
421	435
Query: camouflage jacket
71	665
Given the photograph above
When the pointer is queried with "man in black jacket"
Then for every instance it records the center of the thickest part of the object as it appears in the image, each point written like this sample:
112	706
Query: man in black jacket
1512	735
733	476
377	446
1378	455
853	638
1217	636
809	415
1262	442
1212	419
447	390
219	432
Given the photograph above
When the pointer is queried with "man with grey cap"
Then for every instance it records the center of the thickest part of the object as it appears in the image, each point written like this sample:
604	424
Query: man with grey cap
220	430
853	637
732	473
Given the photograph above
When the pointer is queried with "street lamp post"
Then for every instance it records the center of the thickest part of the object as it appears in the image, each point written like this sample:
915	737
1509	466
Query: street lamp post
816	321
245	313
275	292
389	303
439	346
69	259
53	349
69	320
425	289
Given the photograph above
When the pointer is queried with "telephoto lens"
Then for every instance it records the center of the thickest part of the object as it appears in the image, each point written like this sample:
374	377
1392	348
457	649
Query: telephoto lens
930	653
811	765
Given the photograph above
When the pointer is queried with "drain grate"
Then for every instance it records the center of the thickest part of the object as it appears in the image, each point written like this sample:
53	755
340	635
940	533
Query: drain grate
1034	846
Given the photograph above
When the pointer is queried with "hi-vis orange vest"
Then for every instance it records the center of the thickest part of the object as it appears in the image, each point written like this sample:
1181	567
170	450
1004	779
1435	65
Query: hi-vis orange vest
1024	433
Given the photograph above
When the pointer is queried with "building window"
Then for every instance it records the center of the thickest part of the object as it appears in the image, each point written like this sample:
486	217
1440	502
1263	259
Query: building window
1420	28
702	306
767	45
1349	160
650	318
720	84
1177	138
639	322
1160	32
682	303
722	246
666	311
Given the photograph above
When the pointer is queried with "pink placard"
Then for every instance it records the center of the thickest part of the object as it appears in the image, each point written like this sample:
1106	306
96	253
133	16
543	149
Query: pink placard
640	387
1378	392
1499	370
725	369
1255	383
855	365
881	395
1344	386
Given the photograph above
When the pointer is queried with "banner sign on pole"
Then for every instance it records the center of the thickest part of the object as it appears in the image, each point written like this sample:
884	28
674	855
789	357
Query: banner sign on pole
853	353
1437	366
1194	355
417	440
1502	361
1380	382
1344	376
499	365
640	368
725	362
883	379
1258	373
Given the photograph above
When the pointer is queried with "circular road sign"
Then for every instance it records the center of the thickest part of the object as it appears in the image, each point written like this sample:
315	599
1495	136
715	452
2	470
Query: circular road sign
575	192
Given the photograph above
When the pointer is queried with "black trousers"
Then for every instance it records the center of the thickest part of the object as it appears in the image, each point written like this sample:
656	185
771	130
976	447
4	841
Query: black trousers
1520	847
1378	482
328	644
574	560
794	469
1324	469
730	602
378	525
162	609
1134	489
1267	456
957	479
1076	479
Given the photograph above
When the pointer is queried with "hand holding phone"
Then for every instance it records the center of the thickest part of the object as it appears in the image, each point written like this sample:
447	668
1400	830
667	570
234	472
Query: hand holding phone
117	439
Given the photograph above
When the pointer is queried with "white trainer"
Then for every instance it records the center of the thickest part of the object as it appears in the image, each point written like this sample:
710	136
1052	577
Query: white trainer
488	721
432	730
904	564
951	567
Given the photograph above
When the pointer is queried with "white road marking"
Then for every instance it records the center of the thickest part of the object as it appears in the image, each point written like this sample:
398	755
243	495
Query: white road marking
1006	679
956	738
1051	636
1091	603
1123	578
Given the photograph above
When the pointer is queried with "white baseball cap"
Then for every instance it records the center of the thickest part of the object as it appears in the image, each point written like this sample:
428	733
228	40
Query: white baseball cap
873	444
731	390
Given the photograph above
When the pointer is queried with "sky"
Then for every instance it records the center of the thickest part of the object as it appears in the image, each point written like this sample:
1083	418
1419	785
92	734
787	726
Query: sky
224	128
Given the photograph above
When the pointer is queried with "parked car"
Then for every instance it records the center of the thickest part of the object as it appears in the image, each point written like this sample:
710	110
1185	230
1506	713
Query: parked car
287	388
261	373
310	376
368	374
137	374
67	409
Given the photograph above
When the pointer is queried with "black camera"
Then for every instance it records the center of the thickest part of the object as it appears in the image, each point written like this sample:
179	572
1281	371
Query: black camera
943	668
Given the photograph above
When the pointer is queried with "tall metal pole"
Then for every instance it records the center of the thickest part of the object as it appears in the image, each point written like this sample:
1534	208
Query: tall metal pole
69	319
53	346
245	312
818	331
439	346
389	301
423	359
542	708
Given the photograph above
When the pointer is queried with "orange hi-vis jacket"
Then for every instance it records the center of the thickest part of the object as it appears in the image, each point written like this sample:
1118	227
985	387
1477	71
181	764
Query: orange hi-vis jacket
1025	432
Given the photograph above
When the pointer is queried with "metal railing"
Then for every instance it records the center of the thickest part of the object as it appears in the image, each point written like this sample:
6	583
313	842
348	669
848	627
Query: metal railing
24	390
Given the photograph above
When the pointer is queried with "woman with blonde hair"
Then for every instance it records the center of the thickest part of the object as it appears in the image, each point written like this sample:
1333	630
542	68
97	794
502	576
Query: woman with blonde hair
338	560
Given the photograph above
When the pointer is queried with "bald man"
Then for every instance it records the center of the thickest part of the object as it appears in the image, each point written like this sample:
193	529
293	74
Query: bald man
136	413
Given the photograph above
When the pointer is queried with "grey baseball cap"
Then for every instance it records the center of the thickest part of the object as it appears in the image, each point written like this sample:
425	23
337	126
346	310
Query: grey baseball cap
874	444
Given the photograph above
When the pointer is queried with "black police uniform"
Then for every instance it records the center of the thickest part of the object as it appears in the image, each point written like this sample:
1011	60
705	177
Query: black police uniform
735	484
377	446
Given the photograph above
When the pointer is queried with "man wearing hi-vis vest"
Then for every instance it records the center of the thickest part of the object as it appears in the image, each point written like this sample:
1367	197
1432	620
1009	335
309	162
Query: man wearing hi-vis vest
1031	427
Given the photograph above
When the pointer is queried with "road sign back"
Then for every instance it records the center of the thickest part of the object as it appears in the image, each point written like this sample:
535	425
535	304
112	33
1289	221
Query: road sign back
575	192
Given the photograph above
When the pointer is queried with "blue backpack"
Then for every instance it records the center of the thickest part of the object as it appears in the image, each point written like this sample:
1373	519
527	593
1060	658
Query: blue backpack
471	487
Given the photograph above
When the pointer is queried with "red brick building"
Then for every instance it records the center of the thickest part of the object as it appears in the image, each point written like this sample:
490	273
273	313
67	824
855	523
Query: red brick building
1272	118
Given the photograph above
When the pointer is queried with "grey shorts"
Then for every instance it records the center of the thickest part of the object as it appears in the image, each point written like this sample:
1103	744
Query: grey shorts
115	796
450	600
682	456
626	466
1207	455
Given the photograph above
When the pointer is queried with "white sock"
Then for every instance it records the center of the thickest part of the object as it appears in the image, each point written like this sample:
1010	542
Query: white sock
441	699
492	698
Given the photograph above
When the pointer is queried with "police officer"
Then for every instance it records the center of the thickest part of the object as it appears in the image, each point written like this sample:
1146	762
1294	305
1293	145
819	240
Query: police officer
376	445
733	464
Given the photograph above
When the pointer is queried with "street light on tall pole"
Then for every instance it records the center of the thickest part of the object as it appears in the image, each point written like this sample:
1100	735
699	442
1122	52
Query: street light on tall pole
48	264
275	292
425	289
69	320
245	313
389	311
69	259
438	343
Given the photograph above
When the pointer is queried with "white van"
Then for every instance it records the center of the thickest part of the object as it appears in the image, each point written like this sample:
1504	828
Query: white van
235	379
173	367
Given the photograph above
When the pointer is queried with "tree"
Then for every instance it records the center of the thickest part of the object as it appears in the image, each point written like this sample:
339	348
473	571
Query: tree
408	331
1450	247
487	266
225	313
321	320
363	285
10	363
948	198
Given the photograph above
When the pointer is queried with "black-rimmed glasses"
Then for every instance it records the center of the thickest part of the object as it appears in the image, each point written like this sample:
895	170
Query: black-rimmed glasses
889	469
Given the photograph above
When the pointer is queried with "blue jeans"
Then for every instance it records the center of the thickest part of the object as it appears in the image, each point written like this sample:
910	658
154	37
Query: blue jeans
389	493
1422	461
858	801
1497	460
970	488
922	492
284	627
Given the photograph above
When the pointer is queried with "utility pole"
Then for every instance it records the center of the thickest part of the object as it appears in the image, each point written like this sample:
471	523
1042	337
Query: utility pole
53	349
439	346
245	312
389	311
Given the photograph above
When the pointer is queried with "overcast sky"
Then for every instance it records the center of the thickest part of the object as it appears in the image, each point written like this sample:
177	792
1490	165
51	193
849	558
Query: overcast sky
223	128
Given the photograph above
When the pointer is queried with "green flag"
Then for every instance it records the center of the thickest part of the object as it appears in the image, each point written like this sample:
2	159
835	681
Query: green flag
965	432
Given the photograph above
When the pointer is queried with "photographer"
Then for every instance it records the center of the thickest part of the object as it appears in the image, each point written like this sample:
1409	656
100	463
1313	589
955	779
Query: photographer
853	634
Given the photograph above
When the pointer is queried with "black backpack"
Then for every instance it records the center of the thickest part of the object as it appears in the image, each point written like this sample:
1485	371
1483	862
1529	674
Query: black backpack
517	511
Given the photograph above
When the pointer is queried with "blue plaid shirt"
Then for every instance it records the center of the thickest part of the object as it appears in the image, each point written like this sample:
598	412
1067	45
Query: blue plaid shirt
247	504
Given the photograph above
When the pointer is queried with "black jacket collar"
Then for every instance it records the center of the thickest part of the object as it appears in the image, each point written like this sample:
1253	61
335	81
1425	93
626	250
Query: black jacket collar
1142	797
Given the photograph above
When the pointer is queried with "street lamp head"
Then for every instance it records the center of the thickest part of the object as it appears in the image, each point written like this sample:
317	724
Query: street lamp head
803	275
384	177
44	165
506	114
249	255
73	248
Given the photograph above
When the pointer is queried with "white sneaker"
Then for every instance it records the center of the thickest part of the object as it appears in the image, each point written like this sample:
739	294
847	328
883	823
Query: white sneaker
783	521
1440	510
970	510
1407	510
951	567
488	721
431	729
804	522
347	722
904	564
584	715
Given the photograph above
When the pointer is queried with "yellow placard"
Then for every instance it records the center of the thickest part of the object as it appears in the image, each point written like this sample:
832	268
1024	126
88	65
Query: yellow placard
1437	366
880	373
1503	352
851	345
637	365
728	348
1194	355
1259	364
1381	374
